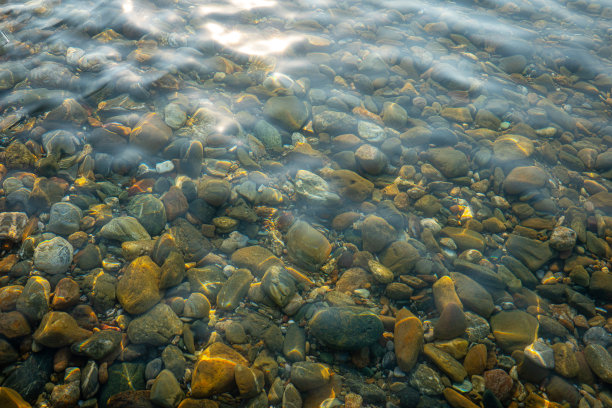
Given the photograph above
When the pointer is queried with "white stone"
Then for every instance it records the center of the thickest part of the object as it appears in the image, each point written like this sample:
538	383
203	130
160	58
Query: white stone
164	167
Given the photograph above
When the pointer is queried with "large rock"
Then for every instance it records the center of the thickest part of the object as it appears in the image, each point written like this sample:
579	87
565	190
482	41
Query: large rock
334	123
408	339
138	288
288	110
124	229
234	290
123	381
59	329
156	327
601	284
514	330
465	238
600	361
29	378
306	375
524	179
279	285
533	253
451	162
99	345
10	398
166	391
376	233
149	211
307	246
445	362
150	134
53	256
345	328
400	257
64	218
371	159
351	185
602	201
189	240
508	148
33	301
255	258
314	190
214	371
473	295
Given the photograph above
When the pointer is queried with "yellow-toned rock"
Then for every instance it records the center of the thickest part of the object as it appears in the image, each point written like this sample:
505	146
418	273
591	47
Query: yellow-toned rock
214	371
9	398
444	293
457	400
59	329
138	288
408	339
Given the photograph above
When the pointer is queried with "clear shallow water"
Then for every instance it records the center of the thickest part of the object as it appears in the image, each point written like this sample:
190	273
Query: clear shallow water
258	92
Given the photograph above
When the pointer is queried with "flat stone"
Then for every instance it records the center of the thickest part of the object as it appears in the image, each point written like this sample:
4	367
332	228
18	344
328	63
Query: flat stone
99	345
288	110
451	162
376	233
523	179
408	339
166	391
351	185
345	328
514	330
508	148
234	290
306	375
465	238
533	253
124	229
445	362
599	361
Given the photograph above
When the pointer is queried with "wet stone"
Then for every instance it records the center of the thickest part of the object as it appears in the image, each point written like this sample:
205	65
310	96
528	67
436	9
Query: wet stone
59	329
307	246
149	211
156	327
99	345
124	229
345	328
514	330
53	256
64	218
234	290
138	288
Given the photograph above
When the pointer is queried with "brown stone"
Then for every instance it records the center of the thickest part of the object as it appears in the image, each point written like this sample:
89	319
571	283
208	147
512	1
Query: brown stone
408	339
138	288
59	329
475	361
66	294
457	400
214	370
175	203
14	324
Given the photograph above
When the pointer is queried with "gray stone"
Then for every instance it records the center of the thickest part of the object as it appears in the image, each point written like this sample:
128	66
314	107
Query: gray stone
53	256
34	300
314	190
268	135
234	290
149	211
156	327
124	229
166	391
278	284
288	110
426	380
64	218
531	252
99	345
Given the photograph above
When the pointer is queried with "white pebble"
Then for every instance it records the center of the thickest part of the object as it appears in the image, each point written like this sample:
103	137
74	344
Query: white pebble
164	167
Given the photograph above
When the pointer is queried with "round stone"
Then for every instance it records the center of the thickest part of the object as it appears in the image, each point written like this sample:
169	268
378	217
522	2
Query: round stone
53	256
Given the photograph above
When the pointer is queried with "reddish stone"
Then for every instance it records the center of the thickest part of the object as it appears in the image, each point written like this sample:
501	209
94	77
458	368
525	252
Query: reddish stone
14	324
175	203
66	295
499	382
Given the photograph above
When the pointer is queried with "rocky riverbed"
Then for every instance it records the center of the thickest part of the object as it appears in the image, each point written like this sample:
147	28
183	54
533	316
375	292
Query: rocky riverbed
398	209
